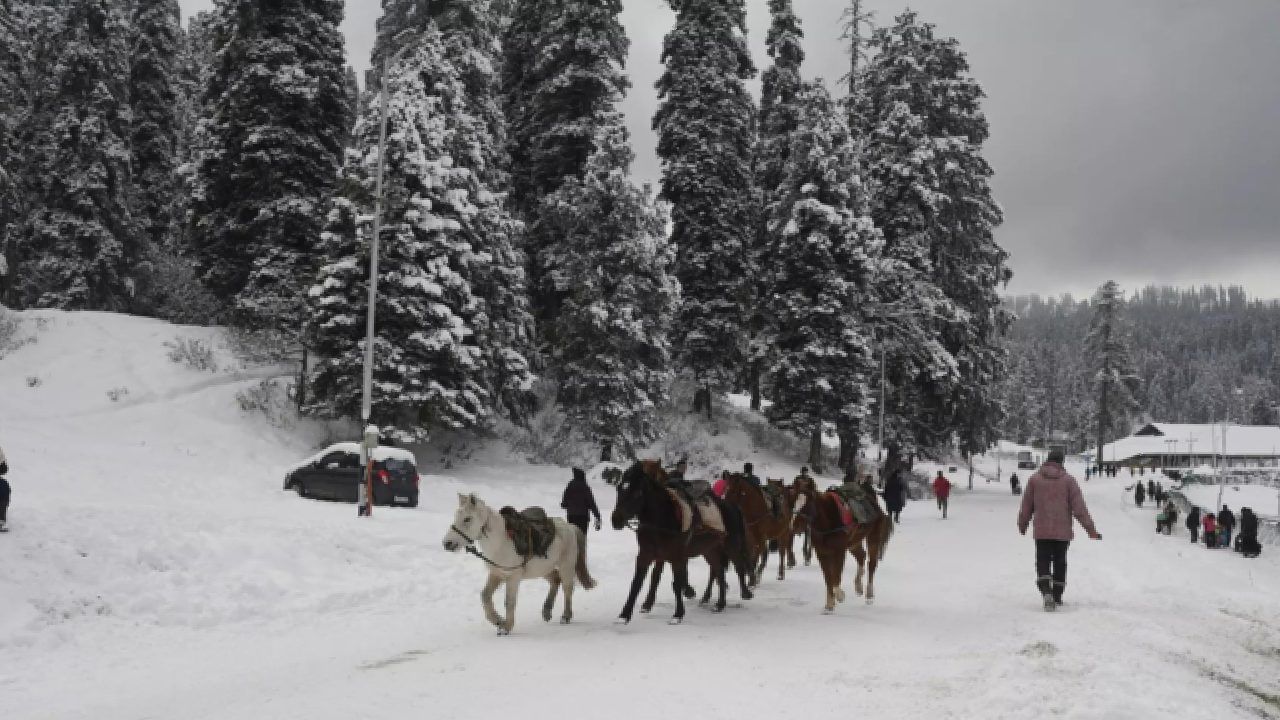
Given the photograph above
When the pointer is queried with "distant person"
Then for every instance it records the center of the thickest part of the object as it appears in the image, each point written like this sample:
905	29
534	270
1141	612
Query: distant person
748	474
1166	518
1151	489
1088	470
1014	484
4	493
579	502
942	491
1210	525
1139	494
1193	523
895	496
1051	499
1226	523
1249	545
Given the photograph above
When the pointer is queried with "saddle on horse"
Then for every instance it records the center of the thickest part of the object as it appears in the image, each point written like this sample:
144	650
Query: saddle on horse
698	510
773	499
530	529
860	500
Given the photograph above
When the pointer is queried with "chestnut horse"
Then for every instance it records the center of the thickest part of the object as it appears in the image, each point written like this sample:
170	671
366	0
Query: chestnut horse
798	493
763	527
644	499
832	537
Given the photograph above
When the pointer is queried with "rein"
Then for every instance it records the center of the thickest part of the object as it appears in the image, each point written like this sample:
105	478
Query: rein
471	547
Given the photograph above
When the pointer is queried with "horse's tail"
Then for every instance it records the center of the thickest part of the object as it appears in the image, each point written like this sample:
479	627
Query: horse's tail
886	532
584	575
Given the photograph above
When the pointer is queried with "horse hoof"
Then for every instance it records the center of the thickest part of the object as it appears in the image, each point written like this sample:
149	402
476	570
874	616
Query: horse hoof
871	601
622	621
747	595
546	616
718	609
503	632
645	610
565	620
828	611
675	621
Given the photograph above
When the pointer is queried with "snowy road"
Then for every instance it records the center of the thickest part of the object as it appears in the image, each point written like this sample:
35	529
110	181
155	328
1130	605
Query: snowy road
156	570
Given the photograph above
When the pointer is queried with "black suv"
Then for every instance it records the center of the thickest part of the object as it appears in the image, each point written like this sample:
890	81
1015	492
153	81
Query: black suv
335	474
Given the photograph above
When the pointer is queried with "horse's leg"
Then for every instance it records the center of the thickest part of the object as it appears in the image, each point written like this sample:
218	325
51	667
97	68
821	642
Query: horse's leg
827	564
680	569
642	566
808	545
570	582
784	550
513	592
717	573
874	551
861	554
711	578
654	579
486	599
549	605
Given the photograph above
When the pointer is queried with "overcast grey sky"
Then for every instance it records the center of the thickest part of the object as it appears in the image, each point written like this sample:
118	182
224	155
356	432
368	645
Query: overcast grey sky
1136	140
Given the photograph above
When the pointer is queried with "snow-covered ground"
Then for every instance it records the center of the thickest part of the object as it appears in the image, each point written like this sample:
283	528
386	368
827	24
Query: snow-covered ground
155	569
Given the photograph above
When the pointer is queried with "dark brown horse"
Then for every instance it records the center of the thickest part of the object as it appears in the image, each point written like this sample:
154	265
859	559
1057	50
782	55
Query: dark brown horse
643	499
832	537
798	493
763	527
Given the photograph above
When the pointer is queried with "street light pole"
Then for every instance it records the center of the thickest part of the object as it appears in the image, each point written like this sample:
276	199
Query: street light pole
880	442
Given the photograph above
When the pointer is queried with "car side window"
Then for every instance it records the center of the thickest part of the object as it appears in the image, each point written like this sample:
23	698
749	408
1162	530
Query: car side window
350	460
333	458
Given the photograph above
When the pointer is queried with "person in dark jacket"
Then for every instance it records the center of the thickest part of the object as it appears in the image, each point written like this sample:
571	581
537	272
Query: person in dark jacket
1014	484
1249	545
1151	488
4	491
1226	523
579	501
895	496
1193	523
1139	494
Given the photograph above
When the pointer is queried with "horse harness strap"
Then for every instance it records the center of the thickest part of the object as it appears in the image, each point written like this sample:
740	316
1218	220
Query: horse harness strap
471	548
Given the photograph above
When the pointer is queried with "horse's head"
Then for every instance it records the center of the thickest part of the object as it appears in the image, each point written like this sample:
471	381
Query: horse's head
775	482
631	491
470	522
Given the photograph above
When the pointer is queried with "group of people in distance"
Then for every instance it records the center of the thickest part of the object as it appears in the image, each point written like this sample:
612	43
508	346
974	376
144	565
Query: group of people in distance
1216	529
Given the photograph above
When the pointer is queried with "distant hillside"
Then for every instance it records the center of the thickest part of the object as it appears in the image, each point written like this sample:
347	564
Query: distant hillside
1203	354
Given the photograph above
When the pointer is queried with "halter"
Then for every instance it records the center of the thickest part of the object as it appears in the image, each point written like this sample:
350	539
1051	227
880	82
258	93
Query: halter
634	524
484	532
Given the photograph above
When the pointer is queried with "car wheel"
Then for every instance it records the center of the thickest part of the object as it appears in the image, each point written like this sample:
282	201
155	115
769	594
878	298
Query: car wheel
301	489
412	503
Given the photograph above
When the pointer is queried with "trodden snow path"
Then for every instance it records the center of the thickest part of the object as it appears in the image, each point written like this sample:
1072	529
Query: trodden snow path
157	570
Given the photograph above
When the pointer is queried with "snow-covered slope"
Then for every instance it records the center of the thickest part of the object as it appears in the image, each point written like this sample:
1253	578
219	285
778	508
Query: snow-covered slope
157	570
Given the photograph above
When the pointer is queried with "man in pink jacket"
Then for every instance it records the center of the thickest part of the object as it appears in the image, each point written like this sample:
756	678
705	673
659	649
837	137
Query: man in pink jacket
1051	499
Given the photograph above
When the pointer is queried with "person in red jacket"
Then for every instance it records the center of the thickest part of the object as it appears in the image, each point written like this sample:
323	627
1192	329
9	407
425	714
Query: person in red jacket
942	491
1052	498
1210	530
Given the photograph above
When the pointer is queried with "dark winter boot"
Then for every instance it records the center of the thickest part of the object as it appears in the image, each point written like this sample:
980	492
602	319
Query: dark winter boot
1045	584
1058	588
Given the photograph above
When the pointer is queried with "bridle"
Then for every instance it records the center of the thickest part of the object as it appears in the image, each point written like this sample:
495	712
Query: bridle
484	532
634	523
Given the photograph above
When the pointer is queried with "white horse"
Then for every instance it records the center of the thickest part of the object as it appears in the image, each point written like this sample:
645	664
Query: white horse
480	530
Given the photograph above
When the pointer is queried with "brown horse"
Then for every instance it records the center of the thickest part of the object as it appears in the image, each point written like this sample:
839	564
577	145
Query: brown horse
798	493
832	537
763	527
644	500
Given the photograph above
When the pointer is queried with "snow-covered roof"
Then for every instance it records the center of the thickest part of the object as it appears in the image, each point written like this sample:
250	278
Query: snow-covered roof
1206	440
1259	498
382	452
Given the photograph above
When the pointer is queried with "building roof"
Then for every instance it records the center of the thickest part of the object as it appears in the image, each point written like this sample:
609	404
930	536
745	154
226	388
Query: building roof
1182	439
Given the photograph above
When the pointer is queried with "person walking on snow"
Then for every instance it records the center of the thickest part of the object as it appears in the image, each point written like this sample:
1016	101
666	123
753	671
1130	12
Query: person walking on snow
579	501
1051	499
1014	484
1140	494
1193	523
1249	546
895	496
1210	524
1226	523
4	492
942	491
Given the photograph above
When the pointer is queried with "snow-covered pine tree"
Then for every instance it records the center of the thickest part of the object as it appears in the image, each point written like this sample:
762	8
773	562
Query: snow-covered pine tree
819	263
706	126
1107	353
270	151
612	262
78	243
11	108
779	118
932	199
154	89
443	357
562	76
